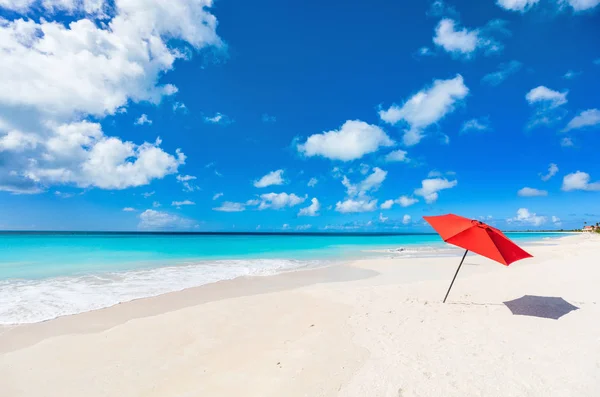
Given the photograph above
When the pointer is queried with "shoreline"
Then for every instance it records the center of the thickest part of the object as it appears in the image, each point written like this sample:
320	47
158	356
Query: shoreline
368	327
370	252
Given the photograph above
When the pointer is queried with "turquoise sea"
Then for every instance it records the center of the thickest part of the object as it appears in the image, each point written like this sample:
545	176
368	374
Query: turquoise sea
45	275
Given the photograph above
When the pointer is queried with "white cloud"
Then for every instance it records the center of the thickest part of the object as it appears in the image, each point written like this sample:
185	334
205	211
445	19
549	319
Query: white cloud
179	106
430	187
229	206
406	219
406	201
453	40
278	201
425	51
352	141
285	226
129	209
353	206
148	194
566	142
311	210
463	42
571	75
552	170
63	194
579	181
382	218
180	203
370	184
547	104
155	204
503	72
482	124
185	180
217	195
218	118
158	220
556	220
272	178
426	107
54	76
143	119
524	216
587	118
387	204
312	182
531	192
581	5
268	119
396	156
546	96
517	5
303	227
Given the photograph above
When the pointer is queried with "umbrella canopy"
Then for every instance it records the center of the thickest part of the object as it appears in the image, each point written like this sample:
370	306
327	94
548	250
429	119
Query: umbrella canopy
477	237
540	306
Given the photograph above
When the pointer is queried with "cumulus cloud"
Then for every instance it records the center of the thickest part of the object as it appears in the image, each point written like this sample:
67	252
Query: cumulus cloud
580	5
186	181
352	141
477	125
312	182
397	156
586	118
370	184
272	178
406	219
524	216
531	192
218	118
180	203
159	220
387	204
426	107
278	201
229	206
356	205
382	218
148	194
526	5
430	187
128	209
463	42
303	227
56	74
406	201
547	104
311	210
543	94
579	181
552	170
143	119
517	5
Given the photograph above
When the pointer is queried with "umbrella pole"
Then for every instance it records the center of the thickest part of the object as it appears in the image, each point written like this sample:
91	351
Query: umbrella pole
455	274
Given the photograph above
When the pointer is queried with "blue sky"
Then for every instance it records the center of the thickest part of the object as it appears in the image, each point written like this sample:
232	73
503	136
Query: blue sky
193	115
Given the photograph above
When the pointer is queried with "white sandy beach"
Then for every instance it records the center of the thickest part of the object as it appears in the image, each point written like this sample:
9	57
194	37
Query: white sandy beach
369	328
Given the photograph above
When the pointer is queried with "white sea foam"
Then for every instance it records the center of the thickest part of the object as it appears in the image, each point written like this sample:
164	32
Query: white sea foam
31	301
419	251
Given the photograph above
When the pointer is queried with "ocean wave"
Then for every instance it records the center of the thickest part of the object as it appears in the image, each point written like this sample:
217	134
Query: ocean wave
32	301
420	251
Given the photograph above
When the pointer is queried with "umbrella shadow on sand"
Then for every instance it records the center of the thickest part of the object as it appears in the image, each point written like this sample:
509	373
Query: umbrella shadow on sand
540	306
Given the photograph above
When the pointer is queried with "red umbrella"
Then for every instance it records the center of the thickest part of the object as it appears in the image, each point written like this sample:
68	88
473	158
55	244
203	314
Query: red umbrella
478	237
